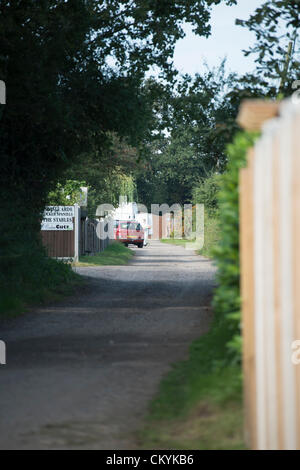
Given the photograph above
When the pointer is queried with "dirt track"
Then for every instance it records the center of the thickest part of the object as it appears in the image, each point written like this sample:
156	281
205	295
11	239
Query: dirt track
80	373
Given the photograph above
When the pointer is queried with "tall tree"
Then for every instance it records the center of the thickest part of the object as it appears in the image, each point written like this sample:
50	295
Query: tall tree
197	119
62	96
73	71
276	25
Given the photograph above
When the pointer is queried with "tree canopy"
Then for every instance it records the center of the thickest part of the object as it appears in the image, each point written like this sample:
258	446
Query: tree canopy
276	26
73	71
196	120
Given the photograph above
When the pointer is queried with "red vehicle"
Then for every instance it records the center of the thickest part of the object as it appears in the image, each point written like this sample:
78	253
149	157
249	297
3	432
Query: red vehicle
129	231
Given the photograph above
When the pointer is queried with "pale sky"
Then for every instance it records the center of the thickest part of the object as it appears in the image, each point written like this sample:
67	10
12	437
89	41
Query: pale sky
226	39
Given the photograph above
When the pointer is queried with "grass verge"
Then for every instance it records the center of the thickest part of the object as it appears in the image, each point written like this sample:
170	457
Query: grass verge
29	284
199	403
175	241
115	254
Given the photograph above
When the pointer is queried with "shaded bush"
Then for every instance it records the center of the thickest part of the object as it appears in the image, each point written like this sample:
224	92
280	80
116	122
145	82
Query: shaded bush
212	233
27	274
226	301
206	192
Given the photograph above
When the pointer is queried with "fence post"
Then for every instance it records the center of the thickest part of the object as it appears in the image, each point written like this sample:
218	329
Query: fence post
77	233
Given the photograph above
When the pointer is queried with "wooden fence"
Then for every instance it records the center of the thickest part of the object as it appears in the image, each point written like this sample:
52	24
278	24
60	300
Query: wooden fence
86	238
59	244
91	238
270	276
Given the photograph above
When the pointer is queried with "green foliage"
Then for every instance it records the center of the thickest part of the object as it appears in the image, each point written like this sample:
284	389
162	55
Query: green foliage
67	194
212	233
109	189
115	254
199	114
63	97
28	277
199	404
174	241
64	100
108	174
206	192
276	23
188	382
200	117
227	296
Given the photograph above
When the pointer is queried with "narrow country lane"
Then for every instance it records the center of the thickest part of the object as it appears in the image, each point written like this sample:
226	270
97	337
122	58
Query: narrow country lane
80	373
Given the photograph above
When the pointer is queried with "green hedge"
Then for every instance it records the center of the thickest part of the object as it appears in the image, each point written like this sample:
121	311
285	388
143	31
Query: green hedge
226	301
27	275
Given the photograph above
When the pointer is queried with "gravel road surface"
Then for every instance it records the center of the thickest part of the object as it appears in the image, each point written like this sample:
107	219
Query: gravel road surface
80	373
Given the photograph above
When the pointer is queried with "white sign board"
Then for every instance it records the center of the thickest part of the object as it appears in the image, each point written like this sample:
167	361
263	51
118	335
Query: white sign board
58	218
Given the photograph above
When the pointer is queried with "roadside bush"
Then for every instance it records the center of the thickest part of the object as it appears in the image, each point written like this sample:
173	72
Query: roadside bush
206	192
226	301
220	194
27	274
31	279
212	233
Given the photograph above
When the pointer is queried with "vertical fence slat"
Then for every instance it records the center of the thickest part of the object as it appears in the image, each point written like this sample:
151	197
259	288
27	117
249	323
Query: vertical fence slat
247	292
277	291
259	297
269	309
296	256
286	280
